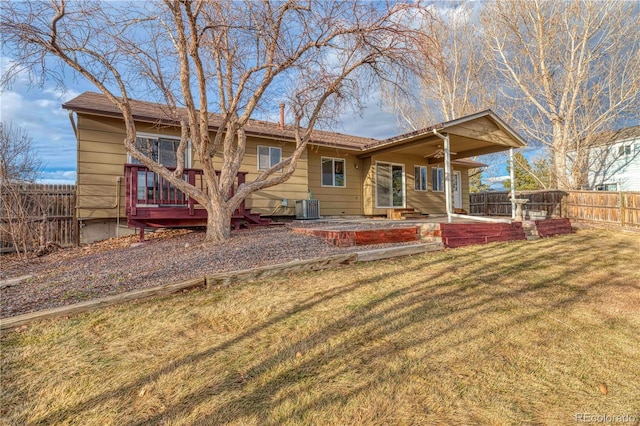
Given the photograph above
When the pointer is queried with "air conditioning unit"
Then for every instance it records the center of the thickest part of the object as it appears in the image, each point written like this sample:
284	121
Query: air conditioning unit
308	209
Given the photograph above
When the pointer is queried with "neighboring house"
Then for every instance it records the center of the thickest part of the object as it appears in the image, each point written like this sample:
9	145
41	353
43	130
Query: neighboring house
349	175
614	161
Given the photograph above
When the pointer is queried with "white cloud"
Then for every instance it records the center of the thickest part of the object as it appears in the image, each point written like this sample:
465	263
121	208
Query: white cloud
39	112
62	95
20	75
58	177
45	103
372	123
496	179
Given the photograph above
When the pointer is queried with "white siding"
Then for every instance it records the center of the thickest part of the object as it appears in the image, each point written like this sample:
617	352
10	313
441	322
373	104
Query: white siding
617	165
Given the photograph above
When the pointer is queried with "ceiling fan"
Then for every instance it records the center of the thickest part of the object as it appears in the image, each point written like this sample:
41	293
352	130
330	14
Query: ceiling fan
439	153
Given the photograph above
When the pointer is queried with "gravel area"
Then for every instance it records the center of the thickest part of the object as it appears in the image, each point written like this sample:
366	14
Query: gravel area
118	265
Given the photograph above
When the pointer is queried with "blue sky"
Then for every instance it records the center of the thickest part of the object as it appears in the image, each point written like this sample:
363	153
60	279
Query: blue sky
39	111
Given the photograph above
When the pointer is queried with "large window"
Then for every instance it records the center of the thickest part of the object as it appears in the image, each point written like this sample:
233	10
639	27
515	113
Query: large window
389	185
161	149
164	150
268	156
437	179
420	182
333	172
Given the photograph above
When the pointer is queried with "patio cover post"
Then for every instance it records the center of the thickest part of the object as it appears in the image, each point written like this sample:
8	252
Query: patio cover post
513	184
447	173
447	176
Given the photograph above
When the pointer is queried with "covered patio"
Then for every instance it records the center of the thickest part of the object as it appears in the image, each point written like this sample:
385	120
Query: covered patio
452	142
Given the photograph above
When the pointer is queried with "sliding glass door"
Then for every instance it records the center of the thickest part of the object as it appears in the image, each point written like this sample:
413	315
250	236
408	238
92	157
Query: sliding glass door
390	192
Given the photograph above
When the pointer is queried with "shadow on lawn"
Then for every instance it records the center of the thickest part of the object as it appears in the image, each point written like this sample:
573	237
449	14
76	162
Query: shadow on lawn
466	297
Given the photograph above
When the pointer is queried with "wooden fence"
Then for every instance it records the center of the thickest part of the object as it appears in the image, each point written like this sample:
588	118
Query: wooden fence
499	203
41	213
612	208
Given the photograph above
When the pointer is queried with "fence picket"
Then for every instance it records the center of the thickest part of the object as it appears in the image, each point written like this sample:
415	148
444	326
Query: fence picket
56	217
616	208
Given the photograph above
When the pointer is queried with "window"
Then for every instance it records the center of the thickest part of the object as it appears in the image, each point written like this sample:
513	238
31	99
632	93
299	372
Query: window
333	172
161	149
624	150
437	179
607	187
420	180
268	156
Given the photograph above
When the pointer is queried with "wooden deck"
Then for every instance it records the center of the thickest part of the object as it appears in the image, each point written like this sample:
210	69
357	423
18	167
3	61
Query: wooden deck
153	202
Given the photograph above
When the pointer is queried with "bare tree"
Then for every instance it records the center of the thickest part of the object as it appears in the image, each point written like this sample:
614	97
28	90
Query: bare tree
449	73
449	70
228	57
20	209
569	70
18	160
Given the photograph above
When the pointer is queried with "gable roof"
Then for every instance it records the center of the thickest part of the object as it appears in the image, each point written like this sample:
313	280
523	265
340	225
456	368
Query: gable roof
615	136
484	130
453	125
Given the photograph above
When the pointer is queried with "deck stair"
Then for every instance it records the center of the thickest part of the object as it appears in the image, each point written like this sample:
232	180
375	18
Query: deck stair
405	213
549	227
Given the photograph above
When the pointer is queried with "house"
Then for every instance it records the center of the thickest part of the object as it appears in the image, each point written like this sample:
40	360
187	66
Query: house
349	175
614	161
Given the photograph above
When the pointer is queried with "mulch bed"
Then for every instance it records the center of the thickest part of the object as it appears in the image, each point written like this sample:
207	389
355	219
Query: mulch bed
118	265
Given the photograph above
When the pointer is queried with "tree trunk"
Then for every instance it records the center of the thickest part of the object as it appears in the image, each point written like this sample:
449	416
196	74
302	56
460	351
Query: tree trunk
560	157
218	223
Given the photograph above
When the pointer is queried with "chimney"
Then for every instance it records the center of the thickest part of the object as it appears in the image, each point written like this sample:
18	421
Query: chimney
281	116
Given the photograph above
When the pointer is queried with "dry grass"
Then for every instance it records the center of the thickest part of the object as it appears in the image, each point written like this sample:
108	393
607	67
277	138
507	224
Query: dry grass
516	333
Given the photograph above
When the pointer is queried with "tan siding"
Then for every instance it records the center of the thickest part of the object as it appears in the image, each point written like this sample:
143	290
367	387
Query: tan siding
109	148
91	169
101	158
367	186
115	138
336	201
269	201
101	155
425	202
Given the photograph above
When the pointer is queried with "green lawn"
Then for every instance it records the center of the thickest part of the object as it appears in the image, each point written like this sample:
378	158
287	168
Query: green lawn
506	333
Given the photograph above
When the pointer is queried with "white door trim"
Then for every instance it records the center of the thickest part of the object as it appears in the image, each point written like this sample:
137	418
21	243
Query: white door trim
457	192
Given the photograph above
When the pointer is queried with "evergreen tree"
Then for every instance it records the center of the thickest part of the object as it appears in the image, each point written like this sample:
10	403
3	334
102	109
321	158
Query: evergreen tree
475	181
543	171
525	181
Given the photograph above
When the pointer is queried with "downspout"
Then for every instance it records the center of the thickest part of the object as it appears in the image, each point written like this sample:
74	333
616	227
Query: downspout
118	180
513	184
73	124
447	173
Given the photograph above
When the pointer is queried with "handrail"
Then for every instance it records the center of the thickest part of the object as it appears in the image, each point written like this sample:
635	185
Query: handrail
145	188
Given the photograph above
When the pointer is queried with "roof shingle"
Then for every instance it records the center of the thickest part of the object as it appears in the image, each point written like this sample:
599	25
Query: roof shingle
98	104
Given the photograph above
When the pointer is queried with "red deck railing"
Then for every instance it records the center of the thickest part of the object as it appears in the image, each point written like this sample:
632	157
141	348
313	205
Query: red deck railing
146	189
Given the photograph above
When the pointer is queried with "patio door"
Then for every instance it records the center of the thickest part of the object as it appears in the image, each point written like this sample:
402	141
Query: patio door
390	191
457	190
